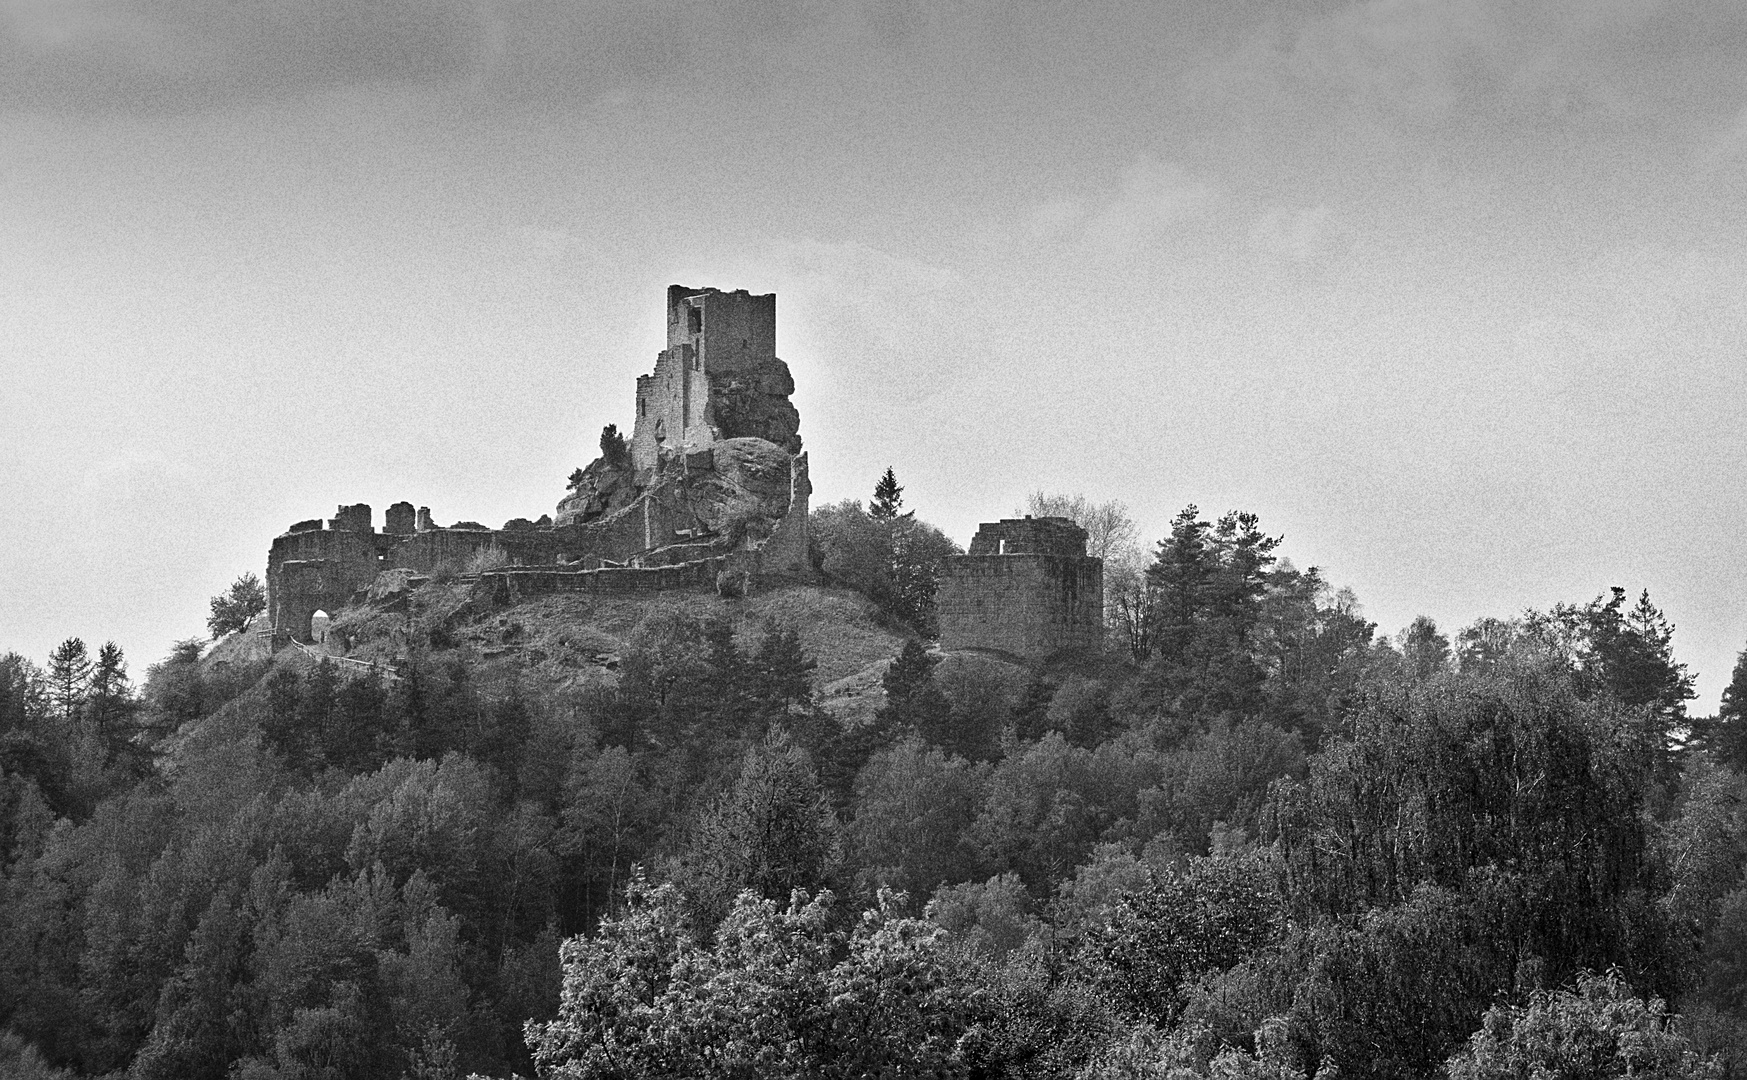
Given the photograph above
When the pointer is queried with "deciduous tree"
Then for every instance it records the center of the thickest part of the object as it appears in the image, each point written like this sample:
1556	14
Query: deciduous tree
233	608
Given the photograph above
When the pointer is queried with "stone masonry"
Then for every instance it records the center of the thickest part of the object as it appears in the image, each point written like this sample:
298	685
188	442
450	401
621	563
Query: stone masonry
718	378
713	482
1026	588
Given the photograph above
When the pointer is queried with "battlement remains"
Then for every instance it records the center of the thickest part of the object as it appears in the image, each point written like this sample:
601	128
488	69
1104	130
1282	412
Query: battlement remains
719	378
716	438
1026	588
1030	536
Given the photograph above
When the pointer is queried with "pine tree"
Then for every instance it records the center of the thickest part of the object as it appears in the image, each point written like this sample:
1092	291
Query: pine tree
782	674
282	726
112	706
772	832
1031	715
887	497
1726	736
69	679
730	691
913	701
315	707
614	448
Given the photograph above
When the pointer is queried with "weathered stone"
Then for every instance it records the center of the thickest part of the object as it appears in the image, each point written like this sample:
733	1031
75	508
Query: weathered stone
1027	588
718	378
400	520
354	518
712	471
755	404
753	466
390	585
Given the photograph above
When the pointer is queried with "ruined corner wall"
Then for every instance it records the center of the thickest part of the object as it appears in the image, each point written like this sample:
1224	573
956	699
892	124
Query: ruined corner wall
1028	588
708	331
316	570
786	554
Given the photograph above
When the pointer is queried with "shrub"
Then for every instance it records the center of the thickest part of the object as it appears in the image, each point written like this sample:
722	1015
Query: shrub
488	558
1600	1029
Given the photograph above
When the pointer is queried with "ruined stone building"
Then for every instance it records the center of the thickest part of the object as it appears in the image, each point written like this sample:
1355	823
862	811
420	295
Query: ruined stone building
719	377
1026	588
712	488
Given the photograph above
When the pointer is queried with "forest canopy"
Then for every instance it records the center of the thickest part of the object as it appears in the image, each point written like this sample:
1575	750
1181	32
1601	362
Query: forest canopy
1255	838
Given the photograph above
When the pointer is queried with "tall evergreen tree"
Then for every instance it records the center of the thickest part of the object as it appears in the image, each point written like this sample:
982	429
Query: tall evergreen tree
888	496
69	679
913	700
772	832
1031	715
1726	735
113	709
1208	583
1181	577
782	674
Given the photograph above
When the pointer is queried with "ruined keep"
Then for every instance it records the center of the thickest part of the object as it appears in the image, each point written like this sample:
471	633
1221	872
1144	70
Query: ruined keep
711	488
1026	588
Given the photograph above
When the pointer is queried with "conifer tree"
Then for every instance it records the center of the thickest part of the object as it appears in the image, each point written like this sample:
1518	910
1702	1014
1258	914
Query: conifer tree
772	832
782	681
913	701
1031	715
887	497
69	679
1726	736
112	706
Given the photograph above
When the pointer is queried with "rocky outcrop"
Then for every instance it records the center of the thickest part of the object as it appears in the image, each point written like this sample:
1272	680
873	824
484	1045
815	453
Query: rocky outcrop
754	403
600	489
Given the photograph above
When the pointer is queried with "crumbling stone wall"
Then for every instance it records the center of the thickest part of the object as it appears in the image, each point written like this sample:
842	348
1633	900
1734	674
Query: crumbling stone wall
786	554
402	520
718	378
1026	587
317	569
714	469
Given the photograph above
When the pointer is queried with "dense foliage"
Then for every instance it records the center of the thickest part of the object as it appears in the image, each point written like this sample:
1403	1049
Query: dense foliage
1256	840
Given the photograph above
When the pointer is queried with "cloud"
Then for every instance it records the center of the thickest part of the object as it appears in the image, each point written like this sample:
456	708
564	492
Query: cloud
1452	66
182	55
1727	143
1150	198
176	55
130	475
1297	235
1056	218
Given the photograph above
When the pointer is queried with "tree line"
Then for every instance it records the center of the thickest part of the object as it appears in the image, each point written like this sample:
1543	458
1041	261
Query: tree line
1257	838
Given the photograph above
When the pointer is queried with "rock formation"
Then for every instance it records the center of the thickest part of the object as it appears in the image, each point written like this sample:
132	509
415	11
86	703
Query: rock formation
711	487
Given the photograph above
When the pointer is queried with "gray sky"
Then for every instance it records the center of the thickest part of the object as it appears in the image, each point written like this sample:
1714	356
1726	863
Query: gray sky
1453	293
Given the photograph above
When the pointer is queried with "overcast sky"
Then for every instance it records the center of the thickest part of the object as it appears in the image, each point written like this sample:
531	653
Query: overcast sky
1453	294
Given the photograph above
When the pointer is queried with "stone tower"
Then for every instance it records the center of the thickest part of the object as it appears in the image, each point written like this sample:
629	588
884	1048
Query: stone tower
718	378
1026	587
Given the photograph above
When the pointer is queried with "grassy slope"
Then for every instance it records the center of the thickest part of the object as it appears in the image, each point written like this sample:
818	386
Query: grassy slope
570	641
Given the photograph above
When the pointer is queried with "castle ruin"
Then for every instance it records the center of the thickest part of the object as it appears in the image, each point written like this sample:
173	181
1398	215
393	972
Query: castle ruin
711	488
1026	588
